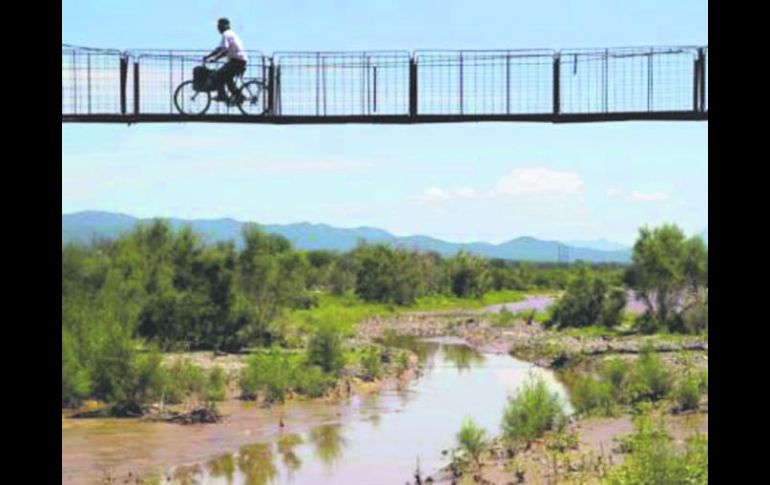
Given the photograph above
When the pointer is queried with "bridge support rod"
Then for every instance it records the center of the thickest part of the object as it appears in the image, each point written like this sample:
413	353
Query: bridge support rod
412	87
702	80
136	88
271	88
123	83
556	85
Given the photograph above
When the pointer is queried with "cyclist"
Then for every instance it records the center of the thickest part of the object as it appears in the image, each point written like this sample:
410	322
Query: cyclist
232	47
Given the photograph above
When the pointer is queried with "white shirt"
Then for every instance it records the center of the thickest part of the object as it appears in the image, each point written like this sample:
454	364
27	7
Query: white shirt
232	43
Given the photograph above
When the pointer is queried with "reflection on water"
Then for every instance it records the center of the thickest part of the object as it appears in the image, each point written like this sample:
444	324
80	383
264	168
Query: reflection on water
463	357
187	475
222	467
255	462
286	445
328	443
374	439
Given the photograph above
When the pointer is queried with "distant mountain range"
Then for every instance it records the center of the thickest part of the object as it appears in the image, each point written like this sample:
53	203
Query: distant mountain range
86	226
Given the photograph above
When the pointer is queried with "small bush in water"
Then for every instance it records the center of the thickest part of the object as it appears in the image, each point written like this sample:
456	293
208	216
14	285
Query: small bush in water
471	440
531	412
217	385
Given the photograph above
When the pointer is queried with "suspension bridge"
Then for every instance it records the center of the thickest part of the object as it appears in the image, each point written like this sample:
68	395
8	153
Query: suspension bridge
661	83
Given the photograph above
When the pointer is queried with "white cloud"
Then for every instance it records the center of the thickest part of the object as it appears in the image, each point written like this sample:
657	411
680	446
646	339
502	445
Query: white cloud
521	183
639	197
537	182
435	193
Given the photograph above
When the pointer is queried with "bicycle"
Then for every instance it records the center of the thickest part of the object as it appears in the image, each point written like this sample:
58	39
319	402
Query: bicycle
193	97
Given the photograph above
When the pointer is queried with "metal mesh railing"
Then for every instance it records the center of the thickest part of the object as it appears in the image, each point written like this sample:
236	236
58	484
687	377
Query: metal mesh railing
91	81
161	72
627	80
484	82
342	83
430	83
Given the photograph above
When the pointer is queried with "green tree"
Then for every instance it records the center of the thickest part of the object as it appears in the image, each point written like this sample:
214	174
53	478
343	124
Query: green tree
470	275
325	348
669	273
589	301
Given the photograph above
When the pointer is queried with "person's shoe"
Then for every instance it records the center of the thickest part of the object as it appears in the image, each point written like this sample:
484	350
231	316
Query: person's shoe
221	98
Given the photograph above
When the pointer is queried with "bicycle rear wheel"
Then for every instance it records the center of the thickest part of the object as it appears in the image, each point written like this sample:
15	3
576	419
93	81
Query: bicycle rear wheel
188	101
252	98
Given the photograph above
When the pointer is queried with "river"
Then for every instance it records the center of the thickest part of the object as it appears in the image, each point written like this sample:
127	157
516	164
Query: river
374	439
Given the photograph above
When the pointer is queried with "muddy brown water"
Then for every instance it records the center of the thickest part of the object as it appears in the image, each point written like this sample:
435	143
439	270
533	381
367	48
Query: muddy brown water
375	439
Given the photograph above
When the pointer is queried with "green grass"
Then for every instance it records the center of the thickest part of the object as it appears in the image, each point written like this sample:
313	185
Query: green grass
347	311
443	302
592	331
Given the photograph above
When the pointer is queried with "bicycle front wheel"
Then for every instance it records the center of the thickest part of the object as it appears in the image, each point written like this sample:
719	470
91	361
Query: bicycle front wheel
188	101
252	98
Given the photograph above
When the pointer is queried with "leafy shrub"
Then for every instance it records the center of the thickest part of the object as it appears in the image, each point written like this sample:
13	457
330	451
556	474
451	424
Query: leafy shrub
688	392
312	381
588	301
217	385
504	318
325	349
402	362
615	372
183	379
75	380
649	379
653	458
371	363
592	396
531	412
268	372
471	440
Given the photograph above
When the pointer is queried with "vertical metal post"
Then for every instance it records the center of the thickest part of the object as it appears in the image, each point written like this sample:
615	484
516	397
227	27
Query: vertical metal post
123	83
702	78
507	83
606	79
374	91
317	81
323	83
75	81
88	81
461	83
556	84
649	80
696	84
412	86
170	82
270	83
136	87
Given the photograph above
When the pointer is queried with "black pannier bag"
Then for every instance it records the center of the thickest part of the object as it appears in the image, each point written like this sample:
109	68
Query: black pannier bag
204	79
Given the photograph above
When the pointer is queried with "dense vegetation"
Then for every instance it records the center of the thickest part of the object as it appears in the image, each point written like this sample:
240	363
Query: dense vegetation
157	290
669	273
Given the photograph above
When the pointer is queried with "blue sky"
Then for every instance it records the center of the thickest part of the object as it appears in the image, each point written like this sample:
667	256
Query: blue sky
461	182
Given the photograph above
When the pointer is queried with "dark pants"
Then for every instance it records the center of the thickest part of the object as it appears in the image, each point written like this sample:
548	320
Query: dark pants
226	76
